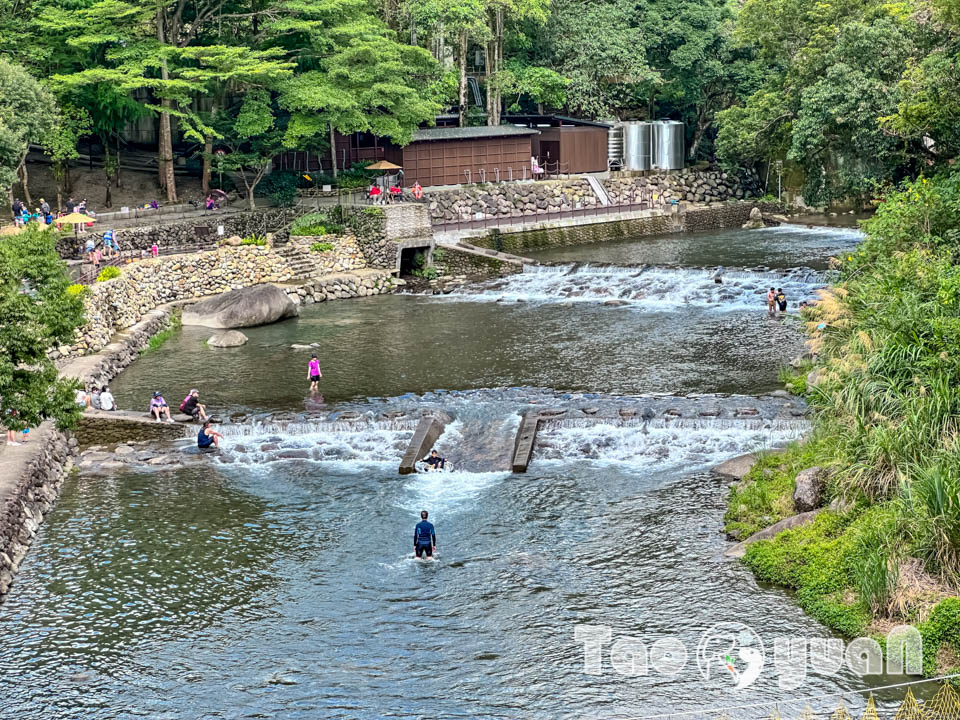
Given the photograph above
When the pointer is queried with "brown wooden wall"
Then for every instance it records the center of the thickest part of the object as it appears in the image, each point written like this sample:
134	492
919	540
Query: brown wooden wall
442	162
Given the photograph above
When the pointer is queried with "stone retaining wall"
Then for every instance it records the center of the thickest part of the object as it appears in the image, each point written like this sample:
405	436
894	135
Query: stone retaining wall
26	494
345	255
453	261
95	429
120	303
727	216
346	285
370	227
532	198
179	234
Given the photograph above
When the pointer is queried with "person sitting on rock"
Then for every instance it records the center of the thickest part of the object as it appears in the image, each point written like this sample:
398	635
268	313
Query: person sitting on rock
208	437
159	407
82	399
191	406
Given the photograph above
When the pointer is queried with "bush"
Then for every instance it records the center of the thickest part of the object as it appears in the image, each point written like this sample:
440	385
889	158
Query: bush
77	290
258	240
108	273
315	224
321	247
281	187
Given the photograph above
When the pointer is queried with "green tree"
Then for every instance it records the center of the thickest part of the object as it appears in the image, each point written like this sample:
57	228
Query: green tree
36	313
366	82
500	15
28	113
61	144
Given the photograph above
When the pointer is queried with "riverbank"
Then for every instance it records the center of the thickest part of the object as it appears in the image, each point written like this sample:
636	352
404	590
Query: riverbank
883	453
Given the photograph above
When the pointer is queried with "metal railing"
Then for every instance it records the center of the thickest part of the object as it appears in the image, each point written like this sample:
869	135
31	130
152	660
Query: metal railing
88	277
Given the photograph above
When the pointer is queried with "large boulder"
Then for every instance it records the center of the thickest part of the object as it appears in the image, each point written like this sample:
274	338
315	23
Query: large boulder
229	338
246	307
808	494
736	467
756	220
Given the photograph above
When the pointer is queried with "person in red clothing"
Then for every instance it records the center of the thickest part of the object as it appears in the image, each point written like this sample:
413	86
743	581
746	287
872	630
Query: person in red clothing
374	194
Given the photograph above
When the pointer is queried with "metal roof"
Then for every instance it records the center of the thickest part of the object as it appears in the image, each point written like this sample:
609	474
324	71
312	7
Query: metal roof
480	131
533	117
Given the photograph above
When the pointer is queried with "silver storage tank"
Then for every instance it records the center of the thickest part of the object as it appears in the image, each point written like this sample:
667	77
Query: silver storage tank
637	146
668	140
615	146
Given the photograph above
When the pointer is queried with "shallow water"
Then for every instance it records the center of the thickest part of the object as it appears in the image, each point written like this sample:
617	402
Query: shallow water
268	585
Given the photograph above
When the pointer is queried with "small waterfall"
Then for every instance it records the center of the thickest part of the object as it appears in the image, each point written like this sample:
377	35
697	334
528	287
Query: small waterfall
688	443
650	288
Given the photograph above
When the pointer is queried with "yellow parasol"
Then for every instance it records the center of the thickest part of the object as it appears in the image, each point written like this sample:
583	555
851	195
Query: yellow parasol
76	219
383	165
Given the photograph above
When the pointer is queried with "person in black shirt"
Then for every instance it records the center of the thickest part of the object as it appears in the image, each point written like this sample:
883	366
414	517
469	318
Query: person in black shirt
191	406
781	300
435	462
424	537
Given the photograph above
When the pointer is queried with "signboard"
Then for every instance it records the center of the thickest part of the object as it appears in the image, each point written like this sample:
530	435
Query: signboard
220	230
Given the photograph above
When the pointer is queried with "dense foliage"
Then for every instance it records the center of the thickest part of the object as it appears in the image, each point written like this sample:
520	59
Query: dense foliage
886	388
37	312
239	82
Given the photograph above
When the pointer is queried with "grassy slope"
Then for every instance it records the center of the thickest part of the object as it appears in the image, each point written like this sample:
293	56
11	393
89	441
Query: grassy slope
886	427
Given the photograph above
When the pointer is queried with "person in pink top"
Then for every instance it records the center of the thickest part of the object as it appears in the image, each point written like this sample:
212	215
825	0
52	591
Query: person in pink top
313	372
155	250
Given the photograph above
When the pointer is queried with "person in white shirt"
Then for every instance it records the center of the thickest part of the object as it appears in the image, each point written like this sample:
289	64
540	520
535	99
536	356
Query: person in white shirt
106	400
83	400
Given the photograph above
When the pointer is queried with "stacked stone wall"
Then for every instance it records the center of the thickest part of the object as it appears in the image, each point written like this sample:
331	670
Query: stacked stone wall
120	303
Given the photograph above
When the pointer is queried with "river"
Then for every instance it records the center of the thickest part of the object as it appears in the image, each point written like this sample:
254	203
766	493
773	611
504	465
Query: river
277	580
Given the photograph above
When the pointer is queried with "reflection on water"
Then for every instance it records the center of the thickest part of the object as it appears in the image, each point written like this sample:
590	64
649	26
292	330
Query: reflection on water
278	580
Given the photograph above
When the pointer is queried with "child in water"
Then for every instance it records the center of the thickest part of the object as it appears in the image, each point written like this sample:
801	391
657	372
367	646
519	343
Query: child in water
313	373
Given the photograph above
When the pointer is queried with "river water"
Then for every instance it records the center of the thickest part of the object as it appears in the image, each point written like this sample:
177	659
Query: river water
277	580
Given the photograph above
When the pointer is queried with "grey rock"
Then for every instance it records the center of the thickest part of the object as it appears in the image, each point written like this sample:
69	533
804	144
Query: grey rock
808	494
230	338
246	307
736	467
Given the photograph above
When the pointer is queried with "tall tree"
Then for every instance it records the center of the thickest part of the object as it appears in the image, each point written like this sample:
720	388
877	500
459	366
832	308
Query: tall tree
500	14
36	313
28	114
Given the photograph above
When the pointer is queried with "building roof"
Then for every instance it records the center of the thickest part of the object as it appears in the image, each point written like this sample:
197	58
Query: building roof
480	131
561	119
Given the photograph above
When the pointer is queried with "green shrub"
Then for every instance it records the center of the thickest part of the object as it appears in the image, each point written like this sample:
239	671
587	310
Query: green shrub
108	273
77	290
313	224
258	240
941	630
439	254
281	187
321	247
373	211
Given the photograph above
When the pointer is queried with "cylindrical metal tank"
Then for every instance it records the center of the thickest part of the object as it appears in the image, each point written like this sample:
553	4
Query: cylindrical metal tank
667	139
637	146
615	146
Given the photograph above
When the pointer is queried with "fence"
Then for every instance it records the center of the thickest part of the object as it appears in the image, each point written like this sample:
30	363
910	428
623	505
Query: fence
125	257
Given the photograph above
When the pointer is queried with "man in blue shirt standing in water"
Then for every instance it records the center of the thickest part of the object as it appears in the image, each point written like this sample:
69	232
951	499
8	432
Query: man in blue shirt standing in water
424	537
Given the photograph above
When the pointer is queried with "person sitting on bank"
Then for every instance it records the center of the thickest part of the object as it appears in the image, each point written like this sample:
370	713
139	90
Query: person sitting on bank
159	407
82	399
374	194
435	462
191	406
208	437
106	400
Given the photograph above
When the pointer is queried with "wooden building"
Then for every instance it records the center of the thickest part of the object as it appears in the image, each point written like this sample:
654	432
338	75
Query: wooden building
453	155
566	145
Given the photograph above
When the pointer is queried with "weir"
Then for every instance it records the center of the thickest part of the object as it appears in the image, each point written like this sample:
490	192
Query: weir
424	438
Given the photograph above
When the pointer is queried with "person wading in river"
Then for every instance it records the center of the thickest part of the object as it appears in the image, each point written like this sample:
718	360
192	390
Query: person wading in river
781	300
424	537
772	302
313	373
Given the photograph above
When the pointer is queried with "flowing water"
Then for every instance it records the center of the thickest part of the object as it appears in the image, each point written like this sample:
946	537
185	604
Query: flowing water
277	580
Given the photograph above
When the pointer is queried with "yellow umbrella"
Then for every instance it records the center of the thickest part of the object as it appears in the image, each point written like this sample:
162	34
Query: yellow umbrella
76	219
383	165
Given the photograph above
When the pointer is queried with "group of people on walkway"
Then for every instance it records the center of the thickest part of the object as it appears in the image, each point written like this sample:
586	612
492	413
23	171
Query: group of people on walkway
44	215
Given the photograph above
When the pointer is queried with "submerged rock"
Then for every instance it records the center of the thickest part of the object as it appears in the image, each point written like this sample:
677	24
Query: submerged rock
230	338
